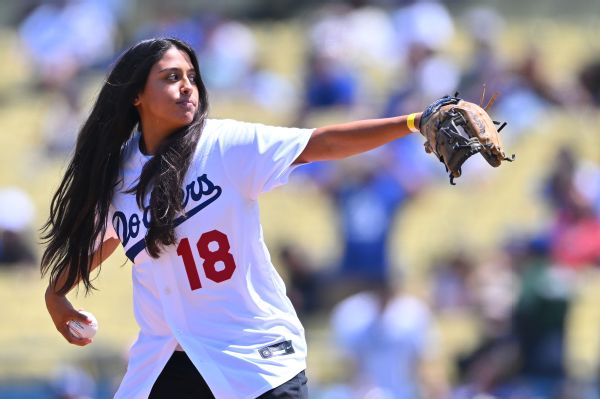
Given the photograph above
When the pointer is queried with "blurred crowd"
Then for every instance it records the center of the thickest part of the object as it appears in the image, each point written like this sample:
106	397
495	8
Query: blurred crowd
519	296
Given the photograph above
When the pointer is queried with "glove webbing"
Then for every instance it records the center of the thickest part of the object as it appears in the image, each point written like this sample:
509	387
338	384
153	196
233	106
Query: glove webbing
463	147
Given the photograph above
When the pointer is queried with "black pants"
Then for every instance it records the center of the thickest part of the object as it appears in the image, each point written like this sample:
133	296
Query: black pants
180	379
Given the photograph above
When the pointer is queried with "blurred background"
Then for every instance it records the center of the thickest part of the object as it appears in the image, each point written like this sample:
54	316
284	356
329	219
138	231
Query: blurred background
408	287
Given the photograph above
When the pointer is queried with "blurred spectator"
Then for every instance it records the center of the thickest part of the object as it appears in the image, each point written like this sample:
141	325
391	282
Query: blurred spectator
370	37
575	230
589	79
490	368
16	218
494	287
428	76
450	281
270	90
559	183
484	25
302	281
15	249
413	168
540	320
59	42
57	38
489	373
530	73
423	29
367	196
61	123
343	41
325	35
576	235
389	338
425	23
228	55
528	95
358	33
406	94
232	67
587	183
522	351
73	383
328	84
174	22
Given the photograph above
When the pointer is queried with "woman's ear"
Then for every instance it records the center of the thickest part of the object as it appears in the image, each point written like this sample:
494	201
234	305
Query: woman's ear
136	101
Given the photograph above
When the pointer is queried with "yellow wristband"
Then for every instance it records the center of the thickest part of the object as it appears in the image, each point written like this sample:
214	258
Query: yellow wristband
410	122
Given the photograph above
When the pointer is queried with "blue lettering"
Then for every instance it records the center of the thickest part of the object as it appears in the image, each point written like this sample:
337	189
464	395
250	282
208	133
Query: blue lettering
196	195
128	228
119	222
185	196
134	225
206	186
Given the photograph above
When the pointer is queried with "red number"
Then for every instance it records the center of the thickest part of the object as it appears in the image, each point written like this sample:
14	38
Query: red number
185	251
212	258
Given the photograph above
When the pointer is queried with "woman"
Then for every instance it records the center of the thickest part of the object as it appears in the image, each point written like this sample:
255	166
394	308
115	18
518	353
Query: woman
179	192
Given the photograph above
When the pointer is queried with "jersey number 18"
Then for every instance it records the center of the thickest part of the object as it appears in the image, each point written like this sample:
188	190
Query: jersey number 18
211	258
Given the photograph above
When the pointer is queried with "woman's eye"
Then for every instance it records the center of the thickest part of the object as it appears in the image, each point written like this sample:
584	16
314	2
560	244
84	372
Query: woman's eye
192	78
172	77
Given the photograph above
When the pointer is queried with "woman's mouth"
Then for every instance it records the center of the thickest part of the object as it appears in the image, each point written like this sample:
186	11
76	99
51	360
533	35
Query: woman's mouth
188	104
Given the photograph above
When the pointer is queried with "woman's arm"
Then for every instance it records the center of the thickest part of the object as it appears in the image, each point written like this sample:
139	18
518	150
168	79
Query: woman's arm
347	139
60	309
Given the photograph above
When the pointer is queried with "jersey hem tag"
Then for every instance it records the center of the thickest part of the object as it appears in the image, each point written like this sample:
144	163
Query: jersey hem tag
280	349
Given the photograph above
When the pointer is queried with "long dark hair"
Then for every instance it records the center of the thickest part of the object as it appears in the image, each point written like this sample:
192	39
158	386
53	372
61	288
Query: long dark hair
80	207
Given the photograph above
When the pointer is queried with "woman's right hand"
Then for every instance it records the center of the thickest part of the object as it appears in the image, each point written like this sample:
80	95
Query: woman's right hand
61	311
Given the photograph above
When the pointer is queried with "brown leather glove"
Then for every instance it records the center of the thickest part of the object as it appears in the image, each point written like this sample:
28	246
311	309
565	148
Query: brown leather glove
456	129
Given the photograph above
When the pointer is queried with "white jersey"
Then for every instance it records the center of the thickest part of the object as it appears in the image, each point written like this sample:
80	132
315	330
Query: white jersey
215	293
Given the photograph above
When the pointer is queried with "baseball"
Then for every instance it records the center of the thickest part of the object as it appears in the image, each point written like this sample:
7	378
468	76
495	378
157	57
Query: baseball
83	330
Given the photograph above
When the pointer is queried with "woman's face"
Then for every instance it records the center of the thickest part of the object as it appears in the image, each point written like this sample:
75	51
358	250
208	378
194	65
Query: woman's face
170	98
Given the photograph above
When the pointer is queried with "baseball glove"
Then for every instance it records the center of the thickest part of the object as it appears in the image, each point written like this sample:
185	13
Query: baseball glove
456	129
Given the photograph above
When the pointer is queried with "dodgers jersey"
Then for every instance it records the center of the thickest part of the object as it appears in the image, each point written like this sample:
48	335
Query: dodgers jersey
216	292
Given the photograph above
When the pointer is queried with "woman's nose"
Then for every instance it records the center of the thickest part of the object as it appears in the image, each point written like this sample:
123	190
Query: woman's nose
186	86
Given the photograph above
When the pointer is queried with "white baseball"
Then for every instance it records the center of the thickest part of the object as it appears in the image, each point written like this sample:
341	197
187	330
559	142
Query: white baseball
84	330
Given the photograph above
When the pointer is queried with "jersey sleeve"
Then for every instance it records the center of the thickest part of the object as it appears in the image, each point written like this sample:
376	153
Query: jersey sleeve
257	157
